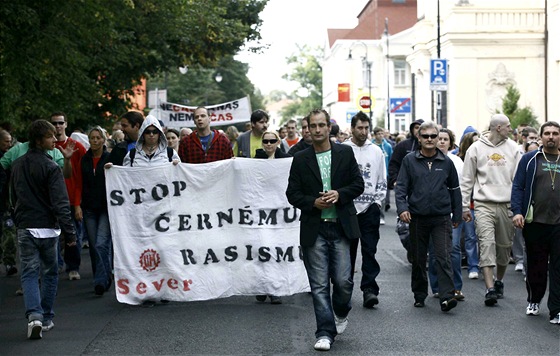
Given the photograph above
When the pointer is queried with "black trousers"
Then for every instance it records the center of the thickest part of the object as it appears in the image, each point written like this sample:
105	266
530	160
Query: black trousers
542	242
439	229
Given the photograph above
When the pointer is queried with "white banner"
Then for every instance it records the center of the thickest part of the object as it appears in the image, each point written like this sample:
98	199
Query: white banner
204	231
175	115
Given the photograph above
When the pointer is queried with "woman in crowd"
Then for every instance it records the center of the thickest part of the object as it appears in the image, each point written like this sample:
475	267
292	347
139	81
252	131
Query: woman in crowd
471	240
151	147
270	150
232	133
94	207
172	136
270	147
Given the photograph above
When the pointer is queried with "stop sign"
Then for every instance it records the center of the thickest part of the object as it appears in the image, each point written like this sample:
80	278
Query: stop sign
365	102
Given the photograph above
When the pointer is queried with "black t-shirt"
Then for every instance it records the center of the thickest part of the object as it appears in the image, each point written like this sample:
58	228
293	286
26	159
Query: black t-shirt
546	199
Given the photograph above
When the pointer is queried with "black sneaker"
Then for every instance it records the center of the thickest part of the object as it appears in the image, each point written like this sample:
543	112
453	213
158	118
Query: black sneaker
260	298
370	299
99	290
448	304
491	297
499	286
418	303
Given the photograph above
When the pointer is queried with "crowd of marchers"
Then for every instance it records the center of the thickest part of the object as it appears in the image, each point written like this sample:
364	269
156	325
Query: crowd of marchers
483	201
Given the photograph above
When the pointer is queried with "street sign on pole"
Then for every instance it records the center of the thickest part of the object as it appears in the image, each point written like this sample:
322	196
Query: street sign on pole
400	105
365	102
438	74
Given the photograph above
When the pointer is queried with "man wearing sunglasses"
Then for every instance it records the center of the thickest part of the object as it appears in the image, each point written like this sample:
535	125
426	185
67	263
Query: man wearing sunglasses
74	187
427	193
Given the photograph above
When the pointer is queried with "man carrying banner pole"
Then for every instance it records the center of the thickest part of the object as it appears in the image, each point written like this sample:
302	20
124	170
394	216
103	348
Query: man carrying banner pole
324	180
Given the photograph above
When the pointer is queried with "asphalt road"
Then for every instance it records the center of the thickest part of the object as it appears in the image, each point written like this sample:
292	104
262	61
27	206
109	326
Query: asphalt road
85	324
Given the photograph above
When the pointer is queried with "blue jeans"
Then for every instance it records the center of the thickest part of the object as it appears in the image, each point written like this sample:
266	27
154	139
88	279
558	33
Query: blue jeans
328	260
369	228
455	262
99	234
38	258
471	243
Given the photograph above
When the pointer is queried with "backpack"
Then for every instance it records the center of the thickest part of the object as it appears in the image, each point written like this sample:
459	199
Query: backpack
133	153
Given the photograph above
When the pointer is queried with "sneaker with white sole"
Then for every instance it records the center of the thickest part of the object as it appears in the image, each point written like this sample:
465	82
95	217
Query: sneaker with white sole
34	329
532	309
473	275
73	275
341	324
322	344
48	325
556	319
519	267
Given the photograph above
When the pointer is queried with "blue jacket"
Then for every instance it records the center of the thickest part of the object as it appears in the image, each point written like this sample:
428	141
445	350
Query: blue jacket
522	188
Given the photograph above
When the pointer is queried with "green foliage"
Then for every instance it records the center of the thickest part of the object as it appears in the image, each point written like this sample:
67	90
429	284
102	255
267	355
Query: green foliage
517	115
84	56
308	73
199	87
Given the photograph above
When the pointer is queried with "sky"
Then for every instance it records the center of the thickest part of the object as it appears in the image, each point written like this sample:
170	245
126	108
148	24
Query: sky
287	23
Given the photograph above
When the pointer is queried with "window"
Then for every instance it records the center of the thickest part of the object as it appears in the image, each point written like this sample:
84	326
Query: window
400	72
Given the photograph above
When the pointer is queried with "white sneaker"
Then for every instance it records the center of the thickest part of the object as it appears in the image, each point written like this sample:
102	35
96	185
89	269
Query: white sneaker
73	275
322	344
47	326
381	221
341	324
556	319
473	275
519	267
532	309
34	329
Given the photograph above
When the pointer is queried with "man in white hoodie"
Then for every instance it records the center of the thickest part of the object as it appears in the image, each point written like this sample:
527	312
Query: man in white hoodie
490	165
371	161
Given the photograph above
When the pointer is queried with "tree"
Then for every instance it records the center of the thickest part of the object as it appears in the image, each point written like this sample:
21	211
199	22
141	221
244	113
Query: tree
84	57
199	87
308	73
517	115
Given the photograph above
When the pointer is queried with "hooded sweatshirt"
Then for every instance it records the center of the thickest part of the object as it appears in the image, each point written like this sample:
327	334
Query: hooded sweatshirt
468	129
401	150
371	161
159	157
488	171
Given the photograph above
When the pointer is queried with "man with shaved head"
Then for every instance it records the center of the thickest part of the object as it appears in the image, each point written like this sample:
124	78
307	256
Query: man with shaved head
490	165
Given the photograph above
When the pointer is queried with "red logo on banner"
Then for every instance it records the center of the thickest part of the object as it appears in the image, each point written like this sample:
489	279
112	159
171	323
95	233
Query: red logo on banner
344	92
149	260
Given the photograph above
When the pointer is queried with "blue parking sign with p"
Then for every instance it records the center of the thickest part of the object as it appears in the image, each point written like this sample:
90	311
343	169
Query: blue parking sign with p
438	74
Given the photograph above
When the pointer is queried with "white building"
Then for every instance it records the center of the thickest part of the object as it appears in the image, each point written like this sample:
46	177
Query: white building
489	44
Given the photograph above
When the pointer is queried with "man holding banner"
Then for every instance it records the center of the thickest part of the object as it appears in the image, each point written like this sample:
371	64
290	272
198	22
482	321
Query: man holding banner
324	180
204	145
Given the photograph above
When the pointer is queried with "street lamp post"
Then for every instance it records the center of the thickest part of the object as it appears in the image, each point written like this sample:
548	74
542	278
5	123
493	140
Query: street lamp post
386	33
368	68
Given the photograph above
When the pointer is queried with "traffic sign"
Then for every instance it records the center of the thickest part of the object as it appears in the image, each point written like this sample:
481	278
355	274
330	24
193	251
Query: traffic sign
438	74
400	105
350	114
365	102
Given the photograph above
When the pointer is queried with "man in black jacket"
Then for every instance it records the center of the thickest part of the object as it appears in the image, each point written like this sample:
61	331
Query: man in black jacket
324	180
41	211
427	193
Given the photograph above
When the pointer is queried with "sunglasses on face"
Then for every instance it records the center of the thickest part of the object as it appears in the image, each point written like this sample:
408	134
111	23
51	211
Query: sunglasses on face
151	132
57	123
432	136
265	141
